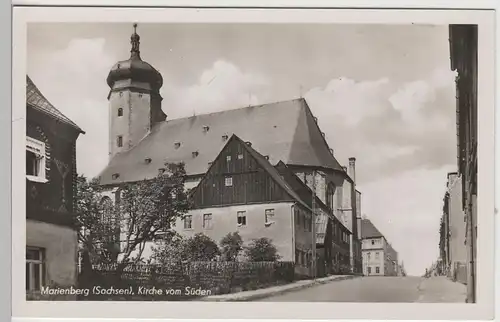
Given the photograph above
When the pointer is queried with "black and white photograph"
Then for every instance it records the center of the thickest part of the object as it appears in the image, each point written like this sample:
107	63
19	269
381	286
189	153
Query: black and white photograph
255	162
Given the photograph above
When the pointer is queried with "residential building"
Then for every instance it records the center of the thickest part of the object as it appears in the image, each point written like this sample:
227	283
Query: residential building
142	140
278	205
51	237
391	266
463	53
358	263
456	250
379	257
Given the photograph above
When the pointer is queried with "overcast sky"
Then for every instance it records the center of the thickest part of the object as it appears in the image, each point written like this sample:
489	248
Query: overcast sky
384	94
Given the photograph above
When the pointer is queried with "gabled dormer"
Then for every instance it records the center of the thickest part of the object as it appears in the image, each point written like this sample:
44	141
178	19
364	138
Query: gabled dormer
240	175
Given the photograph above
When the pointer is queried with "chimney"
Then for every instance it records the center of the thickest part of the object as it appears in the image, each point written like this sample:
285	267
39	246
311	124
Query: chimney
352	169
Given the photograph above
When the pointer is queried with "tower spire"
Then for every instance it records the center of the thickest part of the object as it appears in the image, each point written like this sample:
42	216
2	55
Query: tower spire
135	41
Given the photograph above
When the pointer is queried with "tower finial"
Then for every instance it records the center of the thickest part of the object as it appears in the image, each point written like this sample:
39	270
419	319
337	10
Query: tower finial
134	40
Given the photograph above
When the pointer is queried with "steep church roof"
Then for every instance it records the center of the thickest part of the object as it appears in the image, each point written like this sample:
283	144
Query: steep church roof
36	100
368	230
284	131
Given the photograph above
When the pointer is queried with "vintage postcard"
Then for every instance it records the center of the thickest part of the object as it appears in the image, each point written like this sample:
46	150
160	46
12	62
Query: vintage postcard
186	161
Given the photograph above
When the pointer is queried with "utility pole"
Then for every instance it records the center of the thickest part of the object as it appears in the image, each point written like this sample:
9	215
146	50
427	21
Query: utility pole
313	224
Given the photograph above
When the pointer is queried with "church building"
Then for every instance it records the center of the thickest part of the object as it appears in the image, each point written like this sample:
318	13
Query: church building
259	170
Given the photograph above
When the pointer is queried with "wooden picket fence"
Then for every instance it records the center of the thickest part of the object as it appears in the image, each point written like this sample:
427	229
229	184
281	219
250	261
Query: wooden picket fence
210	278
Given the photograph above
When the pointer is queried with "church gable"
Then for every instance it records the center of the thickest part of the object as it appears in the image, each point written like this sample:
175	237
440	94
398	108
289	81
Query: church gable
238	176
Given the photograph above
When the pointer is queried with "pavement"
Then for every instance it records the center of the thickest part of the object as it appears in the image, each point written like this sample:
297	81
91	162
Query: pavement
441	290
276	290
375	289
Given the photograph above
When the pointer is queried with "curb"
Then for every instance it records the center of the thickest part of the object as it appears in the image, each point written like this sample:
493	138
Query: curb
251	297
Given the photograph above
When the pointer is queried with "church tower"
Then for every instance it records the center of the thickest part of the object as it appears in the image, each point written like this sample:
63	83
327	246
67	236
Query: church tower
134	100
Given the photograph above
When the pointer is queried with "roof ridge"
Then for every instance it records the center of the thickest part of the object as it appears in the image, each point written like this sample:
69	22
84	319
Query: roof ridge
236	109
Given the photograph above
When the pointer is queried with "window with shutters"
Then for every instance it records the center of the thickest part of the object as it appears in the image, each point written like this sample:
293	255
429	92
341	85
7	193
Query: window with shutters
35	160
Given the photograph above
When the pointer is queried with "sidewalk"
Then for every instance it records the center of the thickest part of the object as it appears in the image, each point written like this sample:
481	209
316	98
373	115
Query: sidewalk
275	290
441	289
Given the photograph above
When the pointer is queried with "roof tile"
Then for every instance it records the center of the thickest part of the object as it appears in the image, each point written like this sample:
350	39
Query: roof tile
285	131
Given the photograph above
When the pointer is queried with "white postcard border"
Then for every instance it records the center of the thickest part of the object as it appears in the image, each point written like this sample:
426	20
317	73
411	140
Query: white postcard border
191	310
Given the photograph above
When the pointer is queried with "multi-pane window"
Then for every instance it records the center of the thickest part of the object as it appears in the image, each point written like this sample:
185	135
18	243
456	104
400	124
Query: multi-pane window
35	268
188	221
269	215
369	270
377	270
228	158
119	141
242	218
229	182
35	159
207	221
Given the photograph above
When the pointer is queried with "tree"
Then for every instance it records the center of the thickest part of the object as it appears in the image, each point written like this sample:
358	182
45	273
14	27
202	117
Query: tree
200	247
169	251
145	212
262	250
231	245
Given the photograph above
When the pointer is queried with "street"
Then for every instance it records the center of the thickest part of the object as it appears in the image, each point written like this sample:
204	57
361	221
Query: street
379	289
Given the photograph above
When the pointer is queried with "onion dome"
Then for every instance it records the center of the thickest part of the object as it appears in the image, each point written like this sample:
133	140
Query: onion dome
134	72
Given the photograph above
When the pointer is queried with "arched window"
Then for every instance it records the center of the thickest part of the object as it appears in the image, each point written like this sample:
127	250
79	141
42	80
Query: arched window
120	111
339	197
107	211
330	190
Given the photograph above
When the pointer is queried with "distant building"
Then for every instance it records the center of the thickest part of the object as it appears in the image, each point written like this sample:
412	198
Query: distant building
51	237
379	257
142	140
463	52
402	270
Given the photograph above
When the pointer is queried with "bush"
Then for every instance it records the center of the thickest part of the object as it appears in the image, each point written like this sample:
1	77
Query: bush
231	245
200	247
262	250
